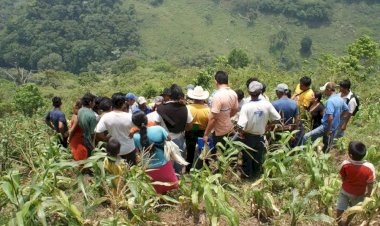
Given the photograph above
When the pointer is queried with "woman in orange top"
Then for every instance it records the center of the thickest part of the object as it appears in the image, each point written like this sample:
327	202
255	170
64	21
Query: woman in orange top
75	139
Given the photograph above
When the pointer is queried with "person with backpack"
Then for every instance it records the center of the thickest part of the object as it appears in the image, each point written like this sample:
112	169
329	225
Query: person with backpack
352	102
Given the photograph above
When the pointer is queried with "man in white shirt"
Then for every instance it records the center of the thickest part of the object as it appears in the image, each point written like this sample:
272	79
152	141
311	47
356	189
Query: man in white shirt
252	124
349	98
118	124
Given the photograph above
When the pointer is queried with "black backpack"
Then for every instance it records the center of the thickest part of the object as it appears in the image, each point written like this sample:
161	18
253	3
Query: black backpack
357	103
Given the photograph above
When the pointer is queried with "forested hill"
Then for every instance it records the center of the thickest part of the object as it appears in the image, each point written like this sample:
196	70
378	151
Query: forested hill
94	35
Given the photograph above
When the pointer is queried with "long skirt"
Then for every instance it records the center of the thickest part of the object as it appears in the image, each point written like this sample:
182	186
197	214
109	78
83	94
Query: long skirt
164	174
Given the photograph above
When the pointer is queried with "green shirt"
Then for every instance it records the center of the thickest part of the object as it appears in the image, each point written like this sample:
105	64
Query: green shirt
87	122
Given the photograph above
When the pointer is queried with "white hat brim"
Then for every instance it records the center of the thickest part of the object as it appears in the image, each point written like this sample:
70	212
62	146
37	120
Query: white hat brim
204	96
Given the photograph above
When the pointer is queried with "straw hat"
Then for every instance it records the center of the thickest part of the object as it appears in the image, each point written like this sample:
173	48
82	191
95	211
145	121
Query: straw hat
198	93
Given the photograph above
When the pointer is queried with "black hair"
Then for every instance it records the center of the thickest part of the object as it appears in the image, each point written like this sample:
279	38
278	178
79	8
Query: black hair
357	150
318	95
106	104
97	102
221	77
57	102
141	121
176	92
166	92
118	99
113	147
87	99
306	81
289	93
345	84
264	88
240	94
251	80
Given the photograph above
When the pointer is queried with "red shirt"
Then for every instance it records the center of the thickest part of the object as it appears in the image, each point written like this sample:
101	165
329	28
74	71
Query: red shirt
356	175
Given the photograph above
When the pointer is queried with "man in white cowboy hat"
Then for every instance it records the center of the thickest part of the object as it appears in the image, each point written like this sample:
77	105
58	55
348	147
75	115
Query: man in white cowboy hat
200	112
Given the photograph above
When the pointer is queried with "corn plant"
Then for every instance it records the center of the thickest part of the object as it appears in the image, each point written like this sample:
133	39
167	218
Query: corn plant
298	212
368	210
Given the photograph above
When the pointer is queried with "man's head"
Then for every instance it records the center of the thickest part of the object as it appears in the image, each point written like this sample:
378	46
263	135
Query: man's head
281	90
176	92
317	97
240	94
305	83
255	88
57	102
141	101
113	147
130	98
251	80
328	89
166	94
105	105
345	86
357	150
221	78
118	101
88	100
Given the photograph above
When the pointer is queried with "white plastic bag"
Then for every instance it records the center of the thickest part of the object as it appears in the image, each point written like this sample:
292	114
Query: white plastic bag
172	152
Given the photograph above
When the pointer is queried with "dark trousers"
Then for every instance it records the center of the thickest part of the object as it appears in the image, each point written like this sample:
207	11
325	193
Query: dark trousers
63	141
88	145
130	158
191	142
253	159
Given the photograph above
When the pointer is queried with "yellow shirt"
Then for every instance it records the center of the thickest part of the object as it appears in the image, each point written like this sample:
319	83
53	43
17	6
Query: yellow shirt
200	113
303	98
114	169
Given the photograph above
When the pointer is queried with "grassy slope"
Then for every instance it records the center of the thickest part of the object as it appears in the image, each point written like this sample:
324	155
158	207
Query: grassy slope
178	29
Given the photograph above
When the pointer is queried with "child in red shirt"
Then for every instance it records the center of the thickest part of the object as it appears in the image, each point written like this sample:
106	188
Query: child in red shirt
358	176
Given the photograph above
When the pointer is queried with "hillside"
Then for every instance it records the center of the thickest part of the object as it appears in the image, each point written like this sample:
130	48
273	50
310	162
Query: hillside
179	30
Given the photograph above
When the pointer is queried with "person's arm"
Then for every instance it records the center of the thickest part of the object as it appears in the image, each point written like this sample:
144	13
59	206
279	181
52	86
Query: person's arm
210	126
99	131
274	118
47	121
369	189
189	120
347	113
74	120
329	124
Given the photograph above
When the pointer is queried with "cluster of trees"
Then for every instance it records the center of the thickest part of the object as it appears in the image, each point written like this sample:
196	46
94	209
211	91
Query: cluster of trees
68	35
308	11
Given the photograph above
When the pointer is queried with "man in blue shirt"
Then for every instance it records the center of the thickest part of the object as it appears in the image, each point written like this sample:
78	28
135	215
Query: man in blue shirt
335	109
56	120
285	106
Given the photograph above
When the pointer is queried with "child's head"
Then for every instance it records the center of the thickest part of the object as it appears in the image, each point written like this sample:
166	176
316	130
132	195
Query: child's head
113	147
357	150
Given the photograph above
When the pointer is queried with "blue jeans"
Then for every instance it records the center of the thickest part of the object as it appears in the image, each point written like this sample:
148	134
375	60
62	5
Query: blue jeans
180	141
319	132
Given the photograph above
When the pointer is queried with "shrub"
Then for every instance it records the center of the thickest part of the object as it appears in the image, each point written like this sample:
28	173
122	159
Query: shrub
28	99
238	58
306	43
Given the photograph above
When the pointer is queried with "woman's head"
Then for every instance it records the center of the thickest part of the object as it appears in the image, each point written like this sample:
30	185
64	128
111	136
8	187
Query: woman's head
317	97
113	147
77	106
140	120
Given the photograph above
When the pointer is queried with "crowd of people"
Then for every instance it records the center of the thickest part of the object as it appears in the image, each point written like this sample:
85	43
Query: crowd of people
129	124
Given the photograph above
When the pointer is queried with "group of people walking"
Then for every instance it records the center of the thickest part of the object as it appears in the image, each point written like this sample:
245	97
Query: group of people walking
128	124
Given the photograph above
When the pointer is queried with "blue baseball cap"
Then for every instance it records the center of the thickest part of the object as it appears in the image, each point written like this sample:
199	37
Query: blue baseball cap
130	96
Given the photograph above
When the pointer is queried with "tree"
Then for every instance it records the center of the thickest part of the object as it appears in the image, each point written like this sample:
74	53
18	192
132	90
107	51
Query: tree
306	43
238	58
52	61
28	99
365	50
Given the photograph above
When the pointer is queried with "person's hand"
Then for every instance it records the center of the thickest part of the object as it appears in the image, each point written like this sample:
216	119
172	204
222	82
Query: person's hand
68	140
205	139
343	127
328	133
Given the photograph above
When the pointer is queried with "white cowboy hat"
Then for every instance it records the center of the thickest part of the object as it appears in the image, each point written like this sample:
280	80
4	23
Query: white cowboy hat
198	93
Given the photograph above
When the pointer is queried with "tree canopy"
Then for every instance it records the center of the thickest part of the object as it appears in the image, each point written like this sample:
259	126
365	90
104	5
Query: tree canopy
75	32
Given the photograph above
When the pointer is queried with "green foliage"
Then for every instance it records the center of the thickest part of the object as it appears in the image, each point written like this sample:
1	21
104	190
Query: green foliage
204	79
278	42
28	99
238	58
124	64
306	43
75	32
87	78
51	61
156	2
365	50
